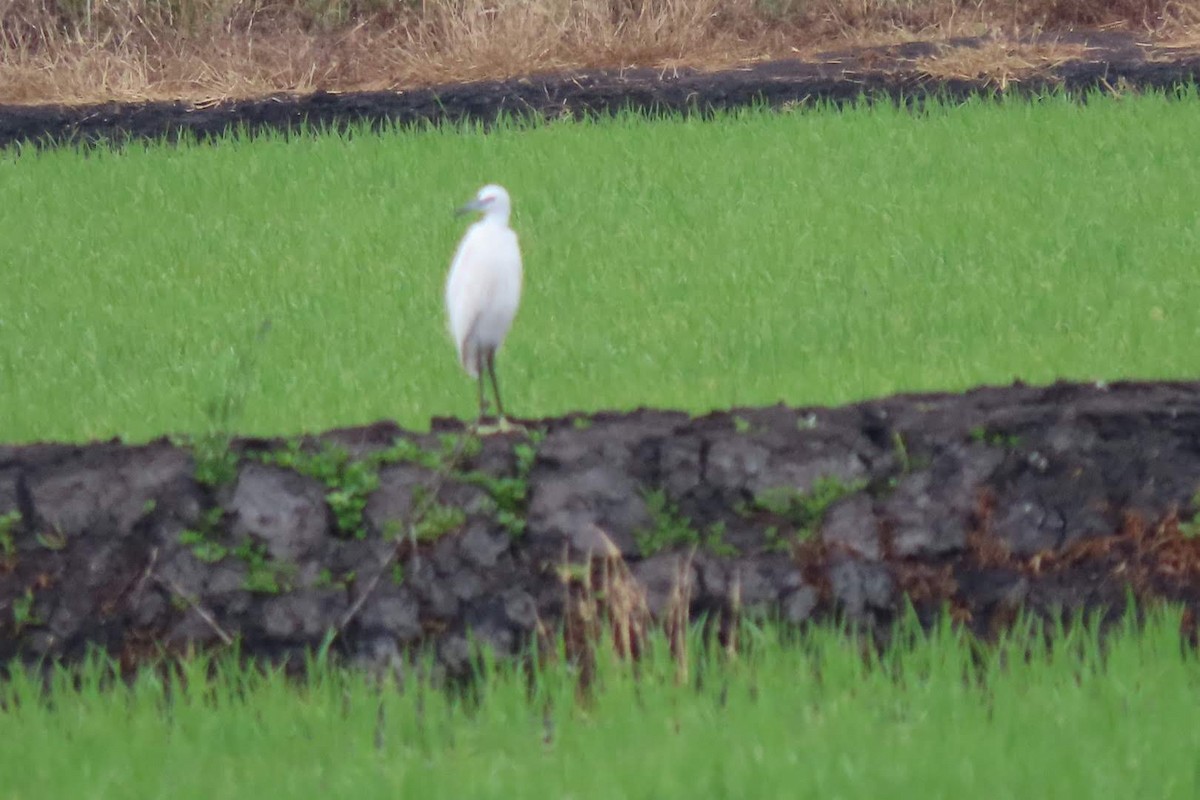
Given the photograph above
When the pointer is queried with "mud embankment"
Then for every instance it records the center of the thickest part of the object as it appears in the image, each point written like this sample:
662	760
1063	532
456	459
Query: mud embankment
1052	500
1111	62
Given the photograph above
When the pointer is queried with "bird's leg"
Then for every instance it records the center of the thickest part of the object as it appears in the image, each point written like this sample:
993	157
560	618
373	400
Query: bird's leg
491	367
488	363
482	399
502	423
483	364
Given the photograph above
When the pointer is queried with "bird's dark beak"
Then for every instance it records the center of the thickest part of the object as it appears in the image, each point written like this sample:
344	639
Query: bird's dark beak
474	205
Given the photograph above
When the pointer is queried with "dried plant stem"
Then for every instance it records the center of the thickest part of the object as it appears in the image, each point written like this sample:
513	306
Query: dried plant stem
58	51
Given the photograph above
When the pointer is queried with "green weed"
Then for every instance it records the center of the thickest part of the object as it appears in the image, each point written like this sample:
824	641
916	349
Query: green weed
52	540
23	615
774	542
348	482
326	580
712	539
982	435
8	521
509	494
803	510
901	449
263	574
436	519
204	539
214	463
668	528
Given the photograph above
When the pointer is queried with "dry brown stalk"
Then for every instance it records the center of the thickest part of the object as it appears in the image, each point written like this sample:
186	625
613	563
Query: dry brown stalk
96	50
607	607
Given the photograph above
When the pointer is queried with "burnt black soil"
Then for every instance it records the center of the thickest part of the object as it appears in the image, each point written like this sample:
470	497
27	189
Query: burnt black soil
1051	500
1114	61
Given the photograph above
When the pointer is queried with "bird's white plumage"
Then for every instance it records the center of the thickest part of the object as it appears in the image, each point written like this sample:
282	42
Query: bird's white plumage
483	288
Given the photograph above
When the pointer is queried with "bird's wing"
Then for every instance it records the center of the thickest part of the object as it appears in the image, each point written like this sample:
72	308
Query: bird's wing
508	272
468	287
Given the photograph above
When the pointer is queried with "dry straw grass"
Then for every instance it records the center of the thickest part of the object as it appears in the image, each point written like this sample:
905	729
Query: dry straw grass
1000	62
607	609
91	50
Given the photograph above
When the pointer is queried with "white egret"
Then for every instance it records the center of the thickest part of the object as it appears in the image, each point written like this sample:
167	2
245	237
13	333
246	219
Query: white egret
483	290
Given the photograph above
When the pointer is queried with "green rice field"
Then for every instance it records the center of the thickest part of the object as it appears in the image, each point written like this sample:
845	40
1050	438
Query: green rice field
813	257
809	718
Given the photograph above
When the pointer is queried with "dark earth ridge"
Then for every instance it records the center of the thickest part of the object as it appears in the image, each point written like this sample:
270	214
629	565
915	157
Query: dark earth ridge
1051	500
1114	61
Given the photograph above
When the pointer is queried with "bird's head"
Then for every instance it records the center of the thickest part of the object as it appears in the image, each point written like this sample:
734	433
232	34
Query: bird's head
492	201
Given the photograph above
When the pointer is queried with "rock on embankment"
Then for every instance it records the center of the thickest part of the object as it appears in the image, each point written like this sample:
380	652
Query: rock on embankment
1052	499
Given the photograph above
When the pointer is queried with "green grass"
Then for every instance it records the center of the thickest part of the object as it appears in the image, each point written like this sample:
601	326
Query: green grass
814	257
807	720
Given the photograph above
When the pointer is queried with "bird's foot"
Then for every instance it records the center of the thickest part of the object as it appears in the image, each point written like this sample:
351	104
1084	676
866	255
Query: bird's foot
502	425
506	426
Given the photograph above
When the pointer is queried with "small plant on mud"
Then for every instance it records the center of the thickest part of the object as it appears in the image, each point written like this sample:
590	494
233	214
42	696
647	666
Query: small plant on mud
263	575
52	540
203	539
901	452
451	448
407	450
326	580
982	435
8	547
774	542
713	540
804	510
671	529
202	548
526	453
509	494
215	463
437	520
349	500
668	528
23	615
348	482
